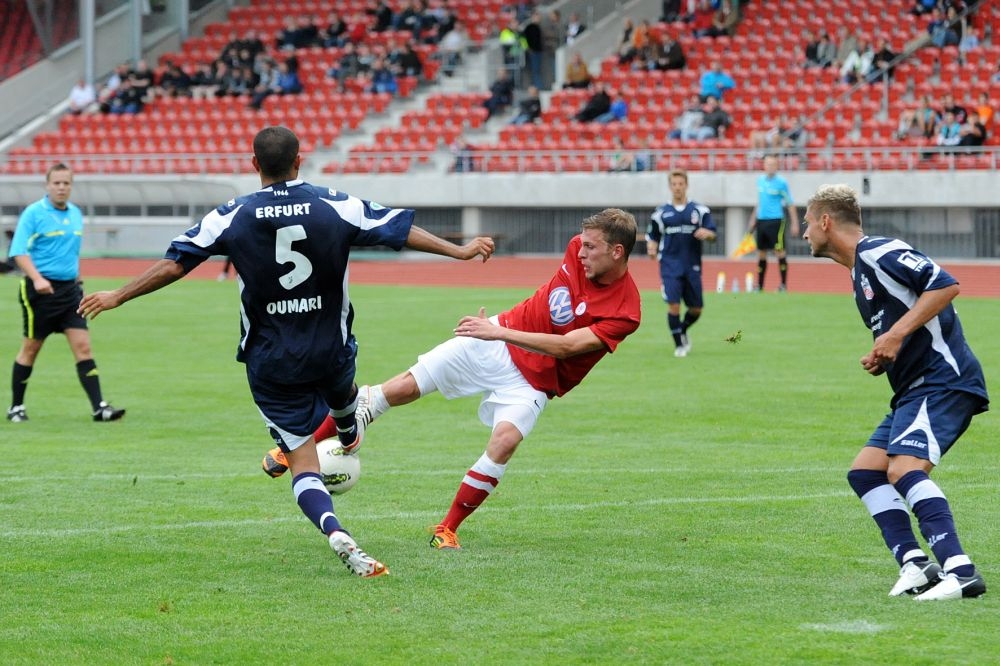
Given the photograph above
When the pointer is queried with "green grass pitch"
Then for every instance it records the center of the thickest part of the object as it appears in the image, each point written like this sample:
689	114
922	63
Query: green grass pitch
667	511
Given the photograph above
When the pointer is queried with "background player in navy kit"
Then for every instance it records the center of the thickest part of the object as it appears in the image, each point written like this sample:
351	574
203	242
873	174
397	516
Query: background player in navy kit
290	243
938	386
674	236
46	247
768	219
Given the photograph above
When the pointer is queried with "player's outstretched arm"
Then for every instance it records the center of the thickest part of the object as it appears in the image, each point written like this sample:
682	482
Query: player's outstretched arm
425	241
574	342
156	276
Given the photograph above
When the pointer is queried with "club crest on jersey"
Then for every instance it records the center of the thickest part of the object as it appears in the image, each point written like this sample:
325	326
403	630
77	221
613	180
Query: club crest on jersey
866	288
560	306
695	217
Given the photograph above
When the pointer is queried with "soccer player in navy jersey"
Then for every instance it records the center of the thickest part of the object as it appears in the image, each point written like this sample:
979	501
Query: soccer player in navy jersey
674	236
938	386
520	359
290	242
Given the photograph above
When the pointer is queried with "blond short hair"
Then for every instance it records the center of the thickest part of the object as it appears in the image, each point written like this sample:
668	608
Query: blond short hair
617	225
838	201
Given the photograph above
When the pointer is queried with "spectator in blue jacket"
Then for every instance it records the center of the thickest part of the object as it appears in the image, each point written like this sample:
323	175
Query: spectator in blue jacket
715	82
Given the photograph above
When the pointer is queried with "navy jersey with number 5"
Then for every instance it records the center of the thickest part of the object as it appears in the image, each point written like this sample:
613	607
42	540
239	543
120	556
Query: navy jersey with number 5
889	276
290	244
673	230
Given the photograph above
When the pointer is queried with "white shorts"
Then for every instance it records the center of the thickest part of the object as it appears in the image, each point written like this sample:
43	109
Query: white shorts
463	367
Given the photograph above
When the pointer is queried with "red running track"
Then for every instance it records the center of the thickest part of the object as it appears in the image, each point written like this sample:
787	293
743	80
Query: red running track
804	275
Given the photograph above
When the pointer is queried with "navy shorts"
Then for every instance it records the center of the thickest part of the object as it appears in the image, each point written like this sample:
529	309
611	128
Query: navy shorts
299	408
771	234
45	314
686	286
926	425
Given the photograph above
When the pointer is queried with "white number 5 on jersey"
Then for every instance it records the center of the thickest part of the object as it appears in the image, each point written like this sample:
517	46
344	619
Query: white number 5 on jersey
283	253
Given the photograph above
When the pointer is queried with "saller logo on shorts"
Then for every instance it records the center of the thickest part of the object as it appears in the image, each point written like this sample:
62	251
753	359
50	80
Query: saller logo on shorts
560	306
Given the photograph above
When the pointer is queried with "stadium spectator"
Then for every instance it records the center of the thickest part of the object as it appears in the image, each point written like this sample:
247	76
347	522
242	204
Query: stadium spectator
174	82
523	357
882	67
622	159
616	113
512	44
535	51
239	82
599	103
107	92
768	221
714	123
464	152
451	48
408	62
574	28
285	82
942	30
625	41
715	82
127	100
810	51
905	298
46	248
973	132
985	110
333	34
203	83
779	137
674	237
380	14
858	63
949	130
921	7
948	104
847	43
348	66
907	127
141	78
826	50
577	74
669	55
529	108
725	19
82	98
501	93
381	78
970	41
300	368
638	43
926	117
687	123
671	11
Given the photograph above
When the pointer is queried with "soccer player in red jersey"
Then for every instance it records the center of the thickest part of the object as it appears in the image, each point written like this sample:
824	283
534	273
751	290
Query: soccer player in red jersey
518	360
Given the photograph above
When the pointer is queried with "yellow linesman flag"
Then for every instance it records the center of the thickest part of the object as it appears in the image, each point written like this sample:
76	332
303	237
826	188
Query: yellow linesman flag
746	246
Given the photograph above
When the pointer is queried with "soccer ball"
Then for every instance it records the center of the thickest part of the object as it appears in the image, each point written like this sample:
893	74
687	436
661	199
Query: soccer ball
340	471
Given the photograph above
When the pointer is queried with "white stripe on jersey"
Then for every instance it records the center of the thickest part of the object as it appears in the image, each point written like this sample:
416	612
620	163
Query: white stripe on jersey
345	306
212	226
903	294
352	210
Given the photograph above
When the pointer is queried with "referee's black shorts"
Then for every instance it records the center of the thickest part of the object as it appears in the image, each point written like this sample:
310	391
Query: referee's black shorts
771	234
45	314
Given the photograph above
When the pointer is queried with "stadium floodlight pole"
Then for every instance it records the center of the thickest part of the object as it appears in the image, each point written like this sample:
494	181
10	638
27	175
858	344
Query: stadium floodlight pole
87	9
138	7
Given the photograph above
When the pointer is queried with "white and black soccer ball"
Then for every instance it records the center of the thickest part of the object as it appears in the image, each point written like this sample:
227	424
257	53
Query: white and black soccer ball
340	471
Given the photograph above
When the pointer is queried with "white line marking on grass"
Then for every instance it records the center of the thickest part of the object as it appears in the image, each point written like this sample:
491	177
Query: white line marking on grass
401	515
849	627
